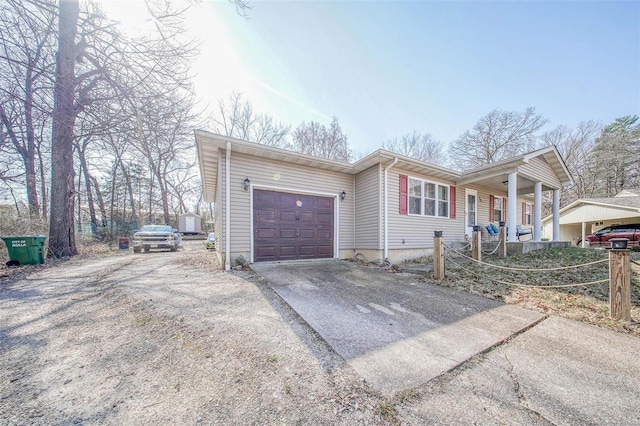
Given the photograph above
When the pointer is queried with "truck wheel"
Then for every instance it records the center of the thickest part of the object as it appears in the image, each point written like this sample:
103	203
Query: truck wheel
174	249
136	250
146	249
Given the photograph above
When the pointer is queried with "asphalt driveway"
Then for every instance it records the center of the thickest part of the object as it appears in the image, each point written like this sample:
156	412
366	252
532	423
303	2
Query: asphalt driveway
397	331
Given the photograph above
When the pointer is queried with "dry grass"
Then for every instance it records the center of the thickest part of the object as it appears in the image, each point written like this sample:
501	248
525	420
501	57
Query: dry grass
584	303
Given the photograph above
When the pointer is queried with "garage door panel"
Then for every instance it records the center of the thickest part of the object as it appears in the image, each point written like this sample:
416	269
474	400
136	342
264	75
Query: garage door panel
325	203
325	218
287	216
292	226
266	215
287	233
325	250
266	252
325	234
287	251
268	197
307	216
286	200
307	234
263	233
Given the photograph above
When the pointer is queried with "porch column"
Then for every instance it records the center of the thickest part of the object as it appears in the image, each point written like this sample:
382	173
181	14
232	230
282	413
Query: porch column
583	235
537	211
512	202
556	215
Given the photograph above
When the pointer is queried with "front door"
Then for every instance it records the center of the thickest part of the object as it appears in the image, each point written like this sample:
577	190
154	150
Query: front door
470	211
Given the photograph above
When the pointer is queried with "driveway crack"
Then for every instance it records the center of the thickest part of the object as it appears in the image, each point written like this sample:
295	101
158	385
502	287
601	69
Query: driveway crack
522	398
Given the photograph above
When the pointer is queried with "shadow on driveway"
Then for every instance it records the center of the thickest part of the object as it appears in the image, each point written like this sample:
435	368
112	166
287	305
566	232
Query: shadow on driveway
395	330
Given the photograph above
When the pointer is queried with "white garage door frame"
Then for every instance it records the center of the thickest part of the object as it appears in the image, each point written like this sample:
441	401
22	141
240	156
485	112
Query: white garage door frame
336	211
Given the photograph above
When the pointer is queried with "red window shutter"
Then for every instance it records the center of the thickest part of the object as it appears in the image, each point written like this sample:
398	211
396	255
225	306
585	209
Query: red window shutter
404	201
532	210
452	202
491	218
504	208
524	213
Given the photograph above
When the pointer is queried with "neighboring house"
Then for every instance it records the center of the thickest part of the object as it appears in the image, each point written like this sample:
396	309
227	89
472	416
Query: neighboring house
587	215
275	204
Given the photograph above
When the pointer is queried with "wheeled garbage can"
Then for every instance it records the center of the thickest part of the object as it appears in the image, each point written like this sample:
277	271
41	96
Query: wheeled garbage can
25	249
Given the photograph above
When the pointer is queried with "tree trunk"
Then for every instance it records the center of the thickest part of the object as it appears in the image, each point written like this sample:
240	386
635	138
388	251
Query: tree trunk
129	184
43	186
62	241
88	180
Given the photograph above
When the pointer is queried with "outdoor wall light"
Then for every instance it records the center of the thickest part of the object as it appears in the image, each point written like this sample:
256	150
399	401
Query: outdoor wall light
343	195
476	228
619	243
437	233
246	184
501	223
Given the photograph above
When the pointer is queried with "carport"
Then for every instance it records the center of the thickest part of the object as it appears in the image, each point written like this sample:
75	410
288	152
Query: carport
586	215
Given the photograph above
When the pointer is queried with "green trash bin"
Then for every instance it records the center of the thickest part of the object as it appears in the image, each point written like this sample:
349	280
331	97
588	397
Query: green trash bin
25	249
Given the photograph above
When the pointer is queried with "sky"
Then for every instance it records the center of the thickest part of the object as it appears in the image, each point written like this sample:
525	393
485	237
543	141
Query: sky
387	68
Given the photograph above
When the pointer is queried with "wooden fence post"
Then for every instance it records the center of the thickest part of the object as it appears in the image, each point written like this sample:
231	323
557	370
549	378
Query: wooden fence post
502	250
476	244
619	284
438	255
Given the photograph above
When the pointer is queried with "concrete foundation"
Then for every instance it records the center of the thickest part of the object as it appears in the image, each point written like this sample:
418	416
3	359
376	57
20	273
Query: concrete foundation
524	247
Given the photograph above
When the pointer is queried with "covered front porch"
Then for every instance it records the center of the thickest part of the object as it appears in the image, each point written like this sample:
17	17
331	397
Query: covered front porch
527	176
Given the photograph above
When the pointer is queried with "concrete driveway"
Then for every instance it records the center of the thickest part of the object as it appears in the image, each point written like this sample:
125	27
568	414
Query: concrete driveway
395	330
401	333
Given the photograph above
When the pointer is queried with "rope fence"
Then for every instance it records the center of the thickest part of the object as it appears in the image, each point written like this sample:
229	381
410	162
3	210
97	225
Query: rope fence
495	280
526	269
492	252
619	271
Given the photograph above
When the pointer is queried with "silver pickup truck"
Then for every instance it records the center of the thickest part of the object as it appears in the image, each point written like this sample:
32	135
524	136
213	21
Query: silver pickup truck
156	236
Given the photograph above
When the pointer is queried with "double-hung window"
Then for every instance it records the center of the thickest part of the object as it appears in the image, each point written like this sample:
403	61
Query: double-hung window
428	198
528	208
498	214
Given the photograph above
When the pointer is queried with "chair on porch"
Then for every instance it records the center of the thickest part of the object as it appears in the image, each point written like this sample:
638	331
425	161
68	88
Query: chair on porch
493	231
521	231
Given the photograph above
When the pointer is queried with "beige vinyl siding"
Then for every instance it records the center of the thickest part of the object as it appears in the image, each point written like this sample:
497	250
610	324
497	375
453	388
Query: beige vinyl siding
538	169
286	177
368	220
218	210
483	204
413	232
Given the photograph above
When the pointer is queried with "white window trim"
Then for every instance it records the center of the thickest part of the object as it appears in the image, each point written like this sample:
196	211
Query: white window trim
498	200
422	198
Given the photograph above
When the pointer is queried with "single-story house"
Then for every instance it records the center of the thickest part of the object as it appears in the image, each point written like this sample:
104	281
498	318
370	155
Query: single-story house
587	215
275	204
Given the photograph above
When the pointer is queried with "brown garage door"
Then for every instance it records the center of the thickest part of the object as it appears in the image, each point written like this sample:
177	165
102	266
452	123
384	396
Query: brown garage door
291	226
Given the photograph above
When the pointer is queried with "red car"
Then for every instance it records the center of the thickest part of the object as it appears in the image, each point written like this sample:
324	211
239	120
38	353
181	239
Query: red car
604	235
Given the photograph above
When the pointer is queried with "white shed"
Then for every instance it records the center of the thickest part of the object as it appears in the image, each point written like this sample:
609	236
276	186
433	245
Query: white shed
189	224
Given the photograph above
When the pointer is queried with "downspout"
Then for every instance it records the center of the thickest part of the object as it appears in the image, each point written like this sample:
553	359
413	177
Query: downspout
355	220
227	211
386	208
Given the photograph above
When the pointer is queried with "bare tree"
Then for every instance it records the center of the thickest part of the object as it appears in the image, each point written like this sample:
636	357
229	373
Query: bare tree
62	241
496	136
575	145
420	146
26	56
316	139
237	119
